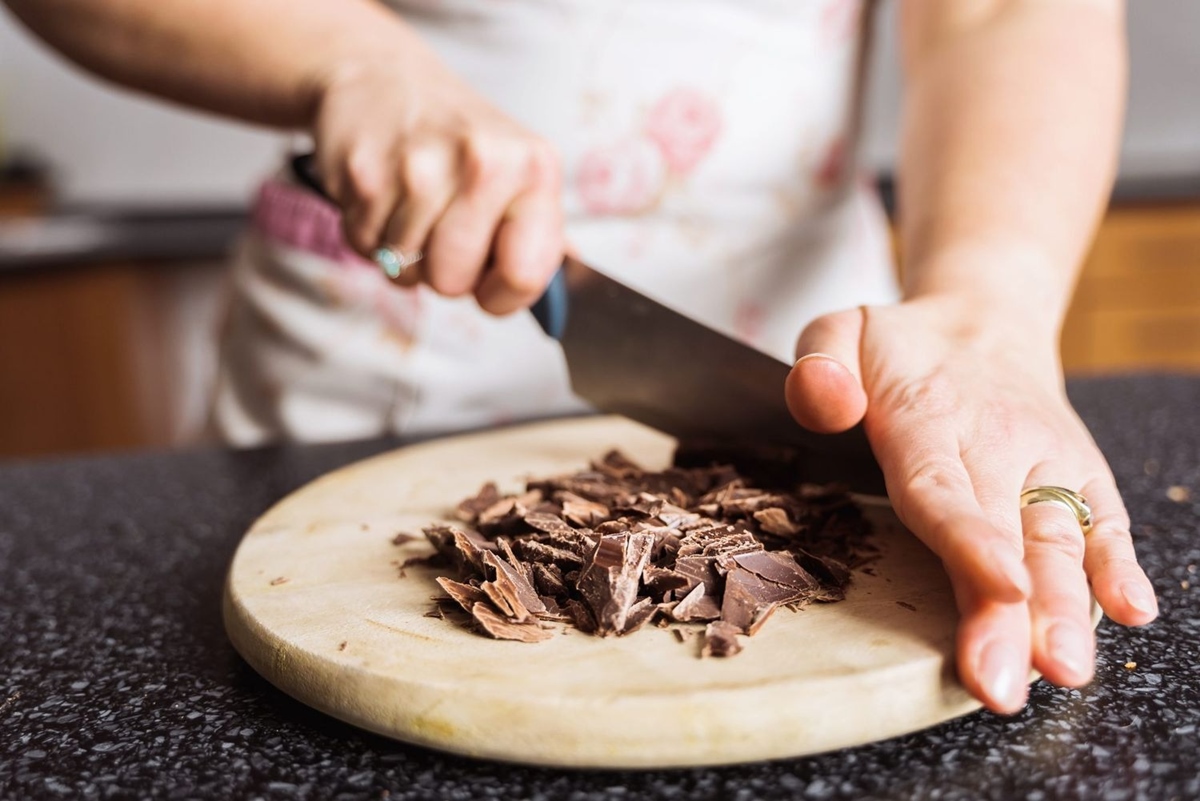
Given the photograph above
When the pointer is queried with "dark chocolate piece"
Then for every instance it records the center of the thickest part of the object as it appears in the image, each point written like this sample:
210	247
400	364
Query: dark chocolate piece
503	629
696	607
465	595
609	582
469	510
509	590
720	639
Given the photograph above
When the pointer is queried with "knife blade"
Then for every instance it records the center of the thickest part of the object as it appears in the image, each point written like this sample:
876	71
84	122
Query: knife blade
630	355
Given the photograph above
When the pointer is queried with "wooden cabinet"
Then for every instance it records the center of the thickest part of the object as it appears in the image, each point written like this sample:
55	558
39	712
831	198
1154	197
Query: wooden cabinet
1137	305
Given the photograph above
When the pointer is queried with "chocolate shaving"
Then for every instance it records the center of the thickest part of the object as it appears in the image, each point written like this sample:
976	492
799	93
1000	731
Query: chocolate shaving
696	607
465	595
720	639
609	582
502	628
615	547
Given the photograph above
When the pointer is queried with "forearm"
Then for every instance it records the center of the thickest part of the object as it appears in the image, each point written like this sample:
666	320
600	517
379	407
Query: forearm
1012	124
263	61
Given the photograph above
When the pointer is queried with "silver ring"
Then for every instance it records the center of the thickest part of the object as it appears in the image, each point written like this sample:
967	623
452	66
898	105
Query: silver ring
1070	500
395	262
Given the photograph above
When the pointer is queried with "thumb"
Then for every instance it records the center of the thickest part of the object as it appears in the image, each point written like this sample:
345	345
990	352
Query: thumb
825	388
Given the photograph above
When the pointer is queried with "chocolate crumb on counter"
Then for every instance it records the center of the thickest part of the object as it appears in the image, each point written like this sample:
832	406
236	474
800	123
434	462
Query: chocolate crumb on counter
614	547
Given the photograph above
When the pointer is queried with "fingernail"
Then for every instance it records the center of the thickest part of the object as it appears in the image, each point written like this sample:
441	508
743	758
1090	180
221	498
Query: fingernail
1067	645
1000	674
817	356
1139	597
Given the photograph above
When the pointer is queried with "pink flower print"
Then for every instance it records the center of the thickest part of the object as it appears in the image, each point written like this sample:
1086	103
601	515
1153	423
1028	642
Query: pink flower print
684	123
830	171
625	178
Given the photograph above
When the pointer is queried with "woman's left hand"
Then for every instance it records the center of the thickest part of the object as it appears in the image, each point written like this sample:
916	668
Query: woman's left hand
963	413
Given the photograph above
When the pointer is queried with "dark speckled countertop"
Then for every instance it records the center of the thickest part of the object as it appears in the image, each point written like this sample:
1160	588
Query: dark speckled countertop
117	681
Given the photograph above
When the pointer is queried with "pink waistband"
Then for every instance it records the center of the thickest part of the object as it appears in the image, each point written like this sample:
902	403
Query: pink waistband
294	216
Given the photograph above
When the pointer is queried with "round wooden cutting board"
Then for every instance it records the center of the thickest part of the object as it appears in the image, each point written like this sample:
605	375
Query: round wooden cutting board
315	604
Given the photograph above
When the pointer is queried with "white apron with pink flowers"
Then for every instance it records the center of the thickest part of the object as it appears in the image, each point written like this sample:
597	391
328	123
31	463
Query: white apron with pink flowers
706	149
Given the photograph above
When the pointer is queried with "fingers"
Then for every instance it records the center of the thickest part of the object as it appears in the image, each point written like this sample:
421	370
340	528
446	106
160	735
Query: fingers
528	249
993	649
1064	647
934	496
493	175
428	182
480	202
824	389
363	186
1120	585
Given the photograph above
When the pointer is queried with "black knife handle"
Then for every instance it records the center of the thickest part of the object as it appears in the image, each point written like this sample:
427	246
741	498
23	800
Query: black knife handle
550	310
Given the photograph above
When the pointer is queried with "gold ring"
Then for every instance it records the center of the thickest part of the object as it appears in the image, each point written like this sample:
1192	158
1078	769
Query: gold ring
1068	499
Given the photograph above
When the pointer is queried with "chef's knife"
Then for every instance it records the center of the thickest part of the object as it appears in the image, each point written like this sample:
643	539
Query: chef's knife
633	356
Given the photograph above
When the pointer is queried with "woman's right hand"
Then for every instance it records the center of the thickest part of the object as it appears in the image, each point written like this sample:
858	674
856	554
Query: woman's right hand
417	160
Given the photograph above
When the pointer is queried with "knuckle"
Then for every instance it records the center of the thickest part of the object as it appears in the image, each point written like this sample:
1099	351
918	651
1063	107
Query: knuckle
933	396
483	158
545	163
420	173
1060	537
931	478
364	177
524	282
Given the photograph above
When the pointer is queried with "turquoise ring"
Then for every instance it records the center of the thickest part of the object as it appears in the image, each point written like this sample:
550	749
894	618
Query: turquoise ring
394	262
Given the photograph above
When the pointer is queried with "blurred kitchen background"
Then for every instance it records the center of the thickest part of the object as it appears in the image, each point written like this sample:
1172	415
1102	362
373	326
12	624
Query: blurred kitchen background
117	212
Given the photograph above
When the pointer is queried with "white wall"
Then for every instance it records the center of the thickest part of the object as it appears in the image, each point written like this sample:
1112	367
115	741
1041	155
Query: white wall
1162	132
108	145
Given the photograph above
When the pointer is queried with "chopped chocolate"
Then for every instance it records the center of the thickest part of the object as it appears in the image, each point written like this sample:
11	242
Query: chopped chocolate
700	569
747	598
662	581
695	607
512	594
614	547
609	582
581	511
465	595
536	552
502	628
403	538
774	520
779	567
548	580
720	639
549	523
469	510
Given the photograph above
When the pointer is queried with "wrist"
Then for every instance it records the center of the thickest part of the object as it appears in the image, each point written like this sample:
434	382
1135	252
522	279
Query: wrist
391	54
988	290
1001	335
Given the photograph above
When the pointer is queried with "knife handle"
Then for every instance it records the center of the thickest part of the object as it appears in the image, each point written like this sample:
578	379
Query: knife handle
550	310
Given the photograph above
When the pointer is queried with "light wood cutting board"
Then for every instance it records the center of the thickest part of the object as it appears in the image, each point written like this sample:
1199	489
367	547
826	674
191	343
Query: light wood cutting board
315	604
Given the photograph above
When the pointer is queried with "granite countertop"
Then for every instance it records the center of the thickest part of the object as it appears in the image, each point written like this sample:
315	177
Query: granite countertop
117	681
